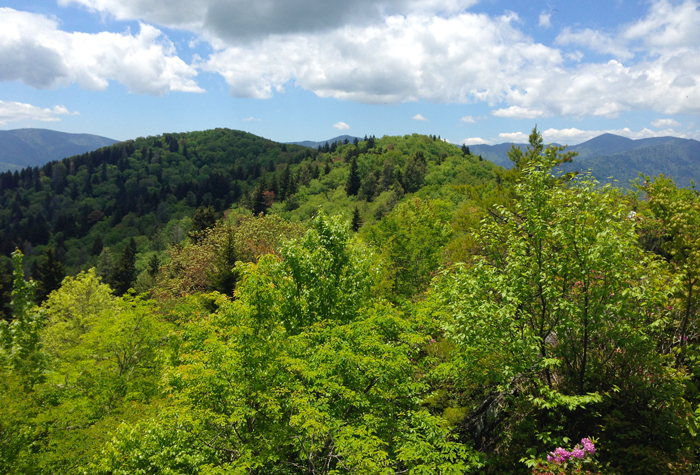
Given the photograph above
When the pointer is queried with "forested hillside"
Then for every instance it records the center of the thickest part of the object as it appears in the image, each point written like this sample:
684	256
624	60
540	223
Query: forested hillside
383	306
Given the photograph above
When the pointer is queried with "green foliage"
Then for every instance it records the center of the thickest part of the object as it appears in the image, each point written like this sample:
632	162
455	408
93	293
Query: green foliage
304	373
21	349
412	238
124	273
51	273
561	296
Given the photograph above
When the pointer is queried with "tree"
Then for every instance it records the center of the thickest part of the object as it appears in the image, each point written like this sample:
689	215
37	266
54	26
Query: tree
465	150
673	220
204	218
368	187
414	172
356	222
124	273
21	348
304	373
51	274
411	239
562	303
352	186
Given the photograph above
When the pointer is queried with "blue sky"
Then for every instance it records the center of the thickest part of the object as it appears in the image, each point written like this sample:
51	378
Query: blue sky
470	71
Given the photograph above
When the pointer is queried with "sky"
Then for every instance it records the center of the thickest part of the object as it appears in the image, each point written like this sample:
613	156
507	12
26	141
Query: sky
470	71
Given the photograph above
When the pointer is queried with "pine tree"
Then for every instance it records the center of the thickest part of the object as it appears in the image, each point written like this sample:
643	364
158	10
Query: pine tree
415	172
154	266
353	184
124	274
356	223
204	218
465	150
51	274
258	198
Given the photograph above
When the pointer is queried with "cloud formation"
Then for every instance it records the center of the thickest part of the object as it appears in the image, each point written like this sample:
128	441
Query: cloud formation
233	21
419	117
393	51
341	126
35	51
574	136
665	123
475	141
15	111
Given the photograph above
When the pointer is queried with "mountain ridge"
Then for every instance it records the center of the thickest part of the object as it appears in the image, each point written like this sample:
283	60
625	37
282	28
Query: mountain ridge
35	147
611	157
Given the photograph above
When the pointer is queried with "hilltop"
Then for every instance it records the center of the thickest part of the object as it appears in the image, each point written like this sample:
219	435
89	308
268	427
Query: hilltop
34	147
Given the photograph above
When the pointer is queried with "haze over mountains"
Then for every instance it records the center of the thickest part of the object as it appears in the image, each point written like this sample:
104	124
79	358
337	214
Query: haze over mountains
21	148
610	155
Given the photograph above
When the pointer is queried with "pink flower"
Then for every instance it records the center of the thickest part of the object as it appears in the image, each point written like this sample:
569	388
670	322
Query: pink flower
578	453
588	445
560	455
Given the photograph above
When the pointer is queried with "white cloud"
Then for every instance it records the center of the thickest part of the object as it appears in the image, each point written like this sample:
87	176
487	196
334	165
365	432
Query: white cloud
668	25
341	126
419	117
474	141
572	136
15	111
468	119
513	137
251	119
665	123
395	51
234	20
517	112
462	58
546	19
34	51
597	41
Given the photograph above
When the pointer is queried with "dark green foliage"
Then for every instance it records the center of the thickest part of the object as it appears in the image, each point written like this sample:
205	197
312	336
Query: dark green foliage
154	266
356	222
50	274
124	273
352	186
204	218
414	173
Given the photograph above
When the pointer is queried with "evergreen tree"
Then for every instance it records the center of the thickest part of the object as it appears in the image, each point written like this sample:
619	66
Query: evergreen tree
465	150
51	274
356	223
204	218
387	174
154	266
224	278
353	184
415	172
97	246
259	203
368	188
105	265
124	274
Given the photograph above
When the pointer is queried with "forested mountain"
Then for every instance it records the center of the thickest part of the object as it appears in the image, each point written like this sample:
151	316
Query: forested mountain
149	188
340	138
610	155
34	147
394	305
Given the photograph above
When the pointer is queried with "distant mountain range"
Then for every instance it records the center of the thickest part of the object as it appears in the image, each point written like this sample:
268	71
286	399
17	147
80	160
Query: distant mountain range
605	156
340	138
621	158
21	148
